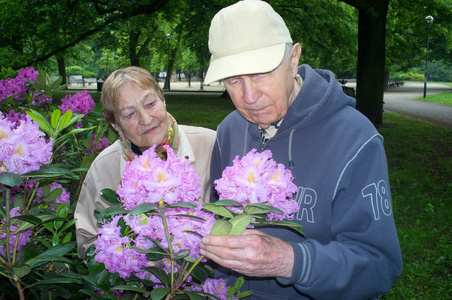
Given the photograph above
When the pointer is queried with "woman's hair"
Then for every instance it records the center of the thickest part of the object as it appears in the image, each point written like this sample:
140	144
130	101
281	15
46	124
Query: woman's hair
110	88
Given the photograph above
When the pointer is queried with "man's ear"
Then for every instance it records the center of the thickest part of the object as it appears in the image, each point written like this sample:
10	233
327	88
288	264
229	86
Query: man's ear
295	58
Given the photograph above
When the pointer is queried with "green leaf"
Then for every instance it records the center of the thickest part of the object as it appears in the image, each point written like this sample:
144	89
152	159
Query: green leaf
93	294
56	83
221	227
55	117
294	225
53	195
67	238
59	280
51	171
132	288
244	294
161	274
74	119
21	271
52	254
142	208
10	179
182	204
218	210
188	216
157	294
110	196
227	202
256	209
62	211
182	254
239	223
194	295
27	218
44	125
64	120
202	273
111	210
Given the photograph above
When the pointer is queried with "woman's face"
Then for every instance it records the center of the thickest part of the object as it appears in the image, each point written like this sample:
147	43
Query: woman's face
141	116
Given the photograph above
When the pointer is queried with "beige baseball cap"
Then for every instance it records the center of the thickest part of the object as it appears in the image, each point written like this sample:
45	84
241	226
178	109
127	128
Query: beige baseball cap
248	37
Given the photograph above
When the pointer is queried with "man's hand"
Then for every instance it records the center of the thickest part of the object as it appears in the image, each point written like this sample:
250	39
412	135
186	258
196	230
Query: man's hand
253	253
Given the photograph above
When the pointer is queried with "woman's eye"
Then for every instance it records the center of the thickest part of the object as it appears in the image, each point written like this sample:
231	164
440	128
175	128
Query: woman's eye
150	104
127	115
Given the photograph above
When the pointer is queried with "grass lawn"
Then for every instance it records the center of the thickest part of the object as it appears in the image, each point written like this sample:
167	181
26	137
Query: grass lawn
443	98
420	169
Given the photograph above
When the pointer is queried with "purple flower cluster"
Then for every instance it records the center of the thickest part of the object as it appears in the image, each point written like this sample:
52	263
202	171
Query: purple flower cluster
257	178
24	235
63	199
22	149
119	256
17	85
80	103
95	147
148	179
216	287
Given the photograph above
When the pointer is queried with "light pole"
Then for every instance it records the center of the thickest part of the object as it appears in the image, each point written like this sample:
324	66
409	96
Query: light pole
429	20
168	76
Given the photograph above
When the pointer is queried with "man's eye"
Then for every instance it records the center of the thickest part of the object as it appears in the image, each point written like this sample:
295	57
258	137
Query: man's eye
260	76
232	80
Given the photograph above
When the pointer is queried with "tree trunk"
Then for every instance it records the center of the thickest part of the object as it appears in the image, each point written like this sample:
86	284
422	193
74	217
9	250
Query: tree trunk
133	44
62	69
371	60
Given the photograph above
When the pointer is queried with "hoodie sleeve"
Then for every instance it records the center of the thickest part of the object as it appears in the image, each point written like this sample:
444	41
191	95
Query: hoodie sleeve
363	258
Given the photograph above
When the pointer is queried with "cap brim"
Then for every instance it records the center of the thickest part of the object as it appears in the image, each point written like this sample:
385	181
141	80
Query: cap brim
251	62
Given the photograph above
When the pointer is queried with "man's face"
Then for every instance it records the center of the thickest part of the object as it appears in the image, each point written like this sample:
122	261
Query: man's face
265	98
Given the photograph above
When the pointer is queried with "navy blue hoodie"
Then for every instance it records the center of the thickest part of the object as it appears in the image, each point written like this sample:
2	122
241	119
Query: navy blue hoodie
350	249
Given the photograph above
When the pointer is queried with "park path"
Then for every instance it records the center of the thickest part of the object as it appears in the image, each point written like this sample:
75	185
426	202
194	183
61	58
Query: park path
400	100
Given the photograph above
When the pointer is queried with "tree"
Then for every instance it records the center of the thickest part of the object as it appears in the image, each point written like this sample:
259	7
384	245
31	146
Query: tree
40	29
370	69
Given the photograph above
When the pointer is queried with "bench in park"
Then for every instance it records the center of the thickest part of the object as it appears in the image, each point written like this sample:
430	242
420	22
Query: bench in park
396	82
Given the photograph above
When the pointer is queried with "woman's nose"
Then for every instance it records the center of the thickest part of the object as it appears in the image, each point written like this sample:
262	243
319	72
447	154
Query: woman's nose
145	118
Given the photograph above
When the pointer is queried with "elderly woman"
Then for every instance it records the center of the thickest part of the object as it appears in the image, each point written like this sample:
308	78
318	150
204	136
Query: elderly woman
135	106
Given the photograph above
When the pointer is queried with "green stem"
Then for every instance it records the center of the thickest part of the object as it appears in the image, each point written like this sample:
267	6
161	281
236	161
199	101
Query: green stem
192	268
170	247
7	228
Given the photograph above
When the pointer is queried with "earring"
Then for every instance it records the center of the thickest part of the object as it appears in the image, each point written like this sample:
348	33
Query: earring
299	79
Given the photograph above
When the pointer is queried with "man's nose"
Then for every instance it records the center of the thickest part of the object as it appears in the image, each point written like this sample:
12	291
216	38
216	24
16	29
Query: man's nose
251	90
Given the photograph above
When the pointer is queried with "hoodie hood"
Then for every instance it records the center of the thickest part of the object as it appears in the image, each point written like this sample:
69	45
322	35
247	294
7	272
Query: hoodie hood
320	96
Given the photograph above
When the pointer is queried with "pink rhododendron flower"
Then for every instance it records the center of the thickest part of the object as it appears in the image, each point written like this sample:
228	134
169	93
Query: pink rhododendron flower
80	103
22	149
216	287
149	179
24	235
257	178
63	199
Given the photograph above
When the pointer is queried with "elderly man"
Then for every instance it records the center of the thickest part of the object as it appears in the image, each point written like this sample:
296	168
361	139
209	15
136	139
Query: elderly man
350	249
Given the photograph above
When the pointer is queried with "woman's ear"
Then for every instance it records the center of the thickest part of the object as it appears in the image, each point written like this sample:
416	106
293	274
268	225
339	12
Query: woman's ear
117	128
